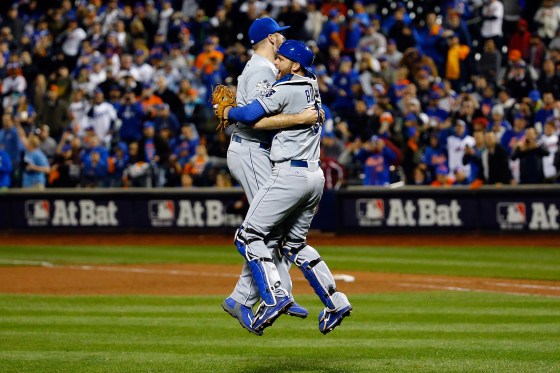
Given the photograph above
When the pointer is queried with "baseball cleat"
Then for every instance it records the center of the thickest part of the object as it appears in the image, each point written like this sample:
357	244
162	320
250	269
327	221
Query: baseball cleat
266	315
328	320
242	313
297	311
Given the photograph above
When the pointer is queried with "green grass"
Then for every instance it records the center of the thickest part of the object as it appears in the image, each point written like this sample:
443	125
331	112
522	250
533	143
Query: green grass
404	332
526	263
408	332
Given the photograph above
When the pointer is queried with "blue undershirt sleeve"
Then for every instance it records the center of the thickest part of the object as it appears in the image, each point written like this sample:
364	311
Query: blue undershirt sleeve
248	114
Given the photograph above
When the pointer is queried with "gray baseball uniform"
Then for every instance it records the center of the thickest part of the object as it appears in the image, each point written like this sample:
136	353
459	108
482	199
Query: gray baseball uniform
292	192
248	160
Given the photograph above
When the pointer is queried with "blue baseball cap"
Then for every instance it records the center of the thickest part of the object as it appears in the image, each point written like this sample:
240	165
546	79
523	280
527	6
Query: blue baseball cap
442	170
262	27
535	95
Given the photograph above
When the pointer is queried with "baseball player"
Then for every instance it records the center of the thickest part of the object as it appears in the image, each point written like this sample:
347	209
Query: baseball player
290	195
248	160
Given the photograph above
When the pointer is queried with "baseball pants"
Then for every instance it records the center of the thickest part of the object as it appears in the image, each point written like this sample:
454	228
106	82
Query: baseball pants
249	163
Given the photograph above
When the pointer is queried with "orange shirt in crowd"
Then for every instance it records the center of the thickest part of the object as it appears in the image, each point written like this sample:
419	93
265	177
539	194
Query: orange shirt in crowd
455	55
203	60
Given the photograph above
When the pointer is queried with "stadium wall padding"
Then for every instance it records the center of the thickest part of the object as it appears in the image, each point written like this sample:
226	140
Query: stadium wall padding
353	210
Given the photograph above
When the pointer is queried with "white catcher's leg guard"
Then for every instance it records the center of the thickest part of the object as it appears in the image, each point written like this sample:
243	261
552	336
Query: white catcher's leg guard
252	247
315	271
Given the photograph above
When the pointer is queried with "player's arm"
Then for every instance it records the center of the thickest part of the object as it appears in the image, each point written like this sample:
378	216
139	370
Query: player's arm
276	122
255	115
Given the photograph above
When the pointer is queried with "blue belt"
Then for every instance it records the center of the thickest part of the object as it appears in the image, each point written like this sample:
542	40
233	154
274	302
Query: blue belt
298	163
241	140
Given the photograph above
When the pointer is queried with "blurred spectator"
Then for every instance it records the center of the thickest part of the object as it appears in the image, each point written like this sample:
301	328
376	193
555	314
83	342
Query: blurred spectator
77	113
48	144
536	54
198	166
117	163
331	150
330	33
141	71
94	169
6	169
165	118
549	140
457	141
184	146
400	29
205	62
455	65
66	167
443	177
377	159
473	157
545	111
314	22
345	78
393	55
35	164
530	154
155	151
11	144
13	85
138	174
54	111
520	38
456	25
70	40
102	116
549	80
417	63
433	156
495	161
490	63
548	19
492	20
14	23
374	40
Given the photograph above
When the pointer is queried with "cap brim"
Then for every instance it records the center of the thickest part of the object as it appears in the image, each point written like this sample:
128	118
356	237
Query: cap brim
282	28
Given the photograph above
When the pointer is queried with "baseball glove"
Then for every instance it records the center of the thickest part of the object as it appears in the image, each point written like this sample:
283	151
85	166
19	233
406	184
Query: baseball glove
222	97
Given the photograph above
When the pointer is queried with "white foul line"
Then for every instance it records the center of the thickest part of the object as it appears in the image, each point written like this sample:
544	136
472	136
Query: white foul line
454	288
340	277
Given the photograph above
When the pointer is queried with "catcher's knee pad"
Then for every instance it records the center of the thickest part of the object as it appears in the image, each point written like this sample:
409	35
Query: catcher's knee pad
314	270
263	270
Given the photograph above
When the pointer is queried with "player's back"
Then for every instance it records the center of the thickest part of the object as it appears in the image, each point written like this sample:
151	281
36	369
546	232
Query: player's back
255	81
292	95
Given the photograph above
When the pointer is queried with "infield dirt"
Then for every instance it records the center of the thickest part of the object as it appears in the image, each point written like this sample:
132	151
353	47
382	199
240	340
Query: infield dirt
207	279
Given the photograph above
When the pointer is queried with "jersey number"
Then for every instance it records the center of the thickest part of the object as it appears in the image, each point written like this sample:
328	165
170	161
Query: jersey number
308	95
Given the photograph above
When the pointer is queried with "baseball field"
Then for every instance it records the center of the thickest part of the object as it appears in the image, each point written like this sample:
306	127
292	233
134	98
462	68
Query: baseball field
152	304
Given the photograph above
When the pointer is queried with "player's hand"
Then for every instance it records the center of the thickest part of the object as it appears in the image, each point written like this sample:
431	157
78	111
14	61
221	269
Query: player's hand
321	116
309	116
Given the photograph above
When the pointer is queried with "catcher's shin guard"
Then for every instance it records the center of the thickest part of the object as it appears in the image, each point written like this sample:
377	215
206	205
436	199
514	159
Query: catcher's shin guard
315	271
263	270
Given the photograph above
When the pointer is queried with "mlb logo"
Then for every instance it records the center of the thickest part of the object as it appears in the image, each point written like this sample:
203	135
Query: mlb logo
512	213
162	212
38	210
370	210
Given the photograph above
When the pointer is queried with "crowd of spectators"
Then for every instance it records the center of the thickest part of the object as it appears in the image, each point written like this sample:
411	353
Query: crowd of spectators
116	93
